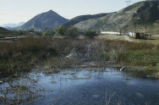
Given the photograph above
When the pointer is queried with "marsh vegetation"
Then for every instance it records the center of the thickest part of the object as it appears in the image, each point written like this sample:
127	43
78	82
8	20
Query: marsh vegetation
24	54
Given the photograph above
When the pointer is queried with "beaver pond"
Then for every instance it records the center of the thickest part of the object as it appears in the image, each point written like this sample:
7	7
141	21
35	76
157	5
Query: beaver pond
86	86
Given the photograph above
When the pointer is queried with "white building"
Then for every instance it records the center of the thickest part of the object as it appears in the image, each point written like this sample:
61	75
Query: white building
110	33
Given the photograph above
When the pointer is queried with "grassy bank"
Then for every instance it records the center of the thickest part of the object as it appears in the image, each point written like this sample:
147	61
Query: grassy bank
131	53
22	55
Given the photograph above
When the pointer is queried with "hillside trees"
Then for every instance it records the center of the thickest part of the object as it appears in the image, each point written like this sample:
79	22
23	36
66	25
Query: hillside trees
69	32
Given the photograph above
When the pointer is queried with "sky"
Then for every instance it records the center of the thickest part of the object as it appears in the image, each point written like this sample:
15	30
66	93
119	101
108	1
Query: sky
15	11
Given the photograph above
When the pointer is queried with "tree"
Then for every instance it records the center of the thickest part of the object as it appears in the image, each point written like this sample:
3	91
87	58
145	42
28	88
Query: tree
91	34
48	33
72	32
31	30
60	30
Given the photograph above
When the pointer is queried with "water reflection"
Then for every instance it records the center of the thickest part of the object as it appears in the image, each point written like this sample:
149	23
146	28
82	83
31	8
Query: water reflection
80	87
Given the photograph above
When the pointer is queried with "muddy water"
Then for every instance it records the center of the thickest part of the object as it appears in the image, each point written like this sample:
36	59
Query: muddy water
80	87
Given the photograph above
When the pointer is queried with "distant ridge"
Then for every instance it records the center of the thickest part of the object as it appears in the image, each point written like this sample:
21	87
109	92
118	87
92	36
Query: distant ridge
84	17
11	26
4	32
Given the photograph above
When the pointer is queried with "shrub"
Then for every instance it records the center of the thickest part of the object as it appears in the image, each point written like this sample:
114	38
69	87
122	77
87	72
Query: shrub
48	33
60	30
69	32
72	32
91	34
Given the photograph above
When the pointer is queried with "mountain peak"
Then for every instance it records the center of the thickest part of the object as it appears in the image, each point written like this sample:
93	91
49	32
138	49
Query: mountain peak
51	11
44	21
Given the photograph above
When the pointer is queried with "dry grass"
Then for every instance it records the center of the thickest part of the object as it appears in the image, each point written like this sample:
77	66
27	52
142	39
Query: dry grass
22	55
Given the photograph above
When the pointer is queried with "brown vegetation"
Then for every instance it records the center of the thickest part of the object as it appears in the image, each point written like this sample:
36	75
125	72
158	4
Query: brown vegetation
23	54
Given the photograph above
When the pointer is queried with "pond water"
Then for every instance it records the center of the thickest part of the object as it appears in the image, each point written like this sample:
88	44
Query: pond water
105	86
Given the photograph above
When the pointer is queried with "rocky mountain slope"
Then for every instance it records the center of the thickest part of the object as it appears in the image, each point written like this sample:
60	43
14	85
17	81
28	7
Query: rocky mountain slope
142	16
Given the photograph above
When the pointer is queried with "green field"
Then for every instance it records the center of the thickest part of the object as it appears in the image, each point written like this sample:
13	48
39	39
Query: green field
153	40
